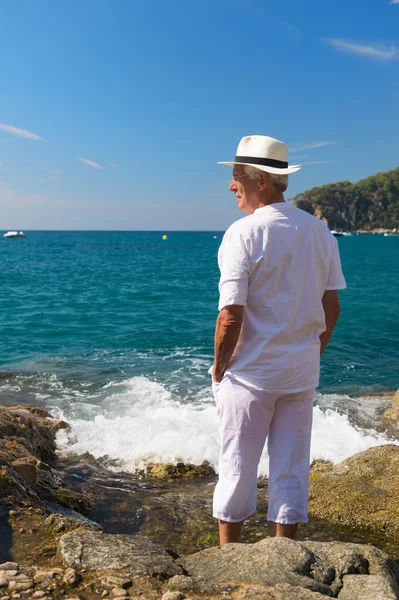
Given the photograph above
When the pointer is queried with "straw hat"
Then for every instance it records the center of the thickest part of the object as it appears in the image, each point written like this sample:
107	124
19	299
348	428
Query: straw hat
264	153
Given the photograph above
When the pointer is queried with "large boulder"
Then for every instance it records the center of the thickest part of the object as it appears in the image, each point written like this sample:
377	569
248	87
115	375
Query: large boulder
361	493
314	566
94	551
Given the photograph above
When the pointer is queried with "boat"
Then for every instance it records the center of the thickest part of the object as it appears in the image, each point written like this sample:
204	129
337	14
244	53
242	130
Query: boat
340	233
14	234
391	234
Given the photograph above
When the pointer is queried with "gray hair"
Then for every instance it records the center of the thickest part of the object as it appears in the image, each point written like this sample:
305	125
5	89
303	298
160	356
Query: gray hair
279	182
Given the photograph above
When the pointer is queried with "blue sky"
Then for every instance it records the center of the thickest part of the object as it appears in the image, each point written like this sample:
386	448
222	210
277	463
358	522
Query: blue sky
152	94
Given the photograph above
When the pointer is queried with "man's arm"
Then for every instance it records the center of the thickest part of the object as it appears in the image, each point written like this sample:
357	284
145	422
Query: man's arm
228	327
331	310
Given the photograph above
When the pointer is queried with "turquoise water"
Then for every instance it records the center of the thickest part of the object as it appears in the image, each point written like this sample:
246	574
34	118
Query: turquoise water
94	323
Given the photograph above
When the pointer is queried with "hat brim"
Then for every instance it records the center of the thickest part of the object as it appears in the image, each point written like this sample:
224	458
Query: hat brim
287	171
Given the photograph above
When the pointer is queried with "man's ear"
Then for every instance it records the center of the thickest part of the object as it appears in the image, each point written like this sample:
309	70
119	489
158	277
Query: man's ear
262	181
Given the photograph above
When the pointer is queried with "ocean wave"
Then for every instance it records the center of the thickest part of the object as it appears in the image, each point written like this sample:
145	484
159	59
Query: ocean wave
141	420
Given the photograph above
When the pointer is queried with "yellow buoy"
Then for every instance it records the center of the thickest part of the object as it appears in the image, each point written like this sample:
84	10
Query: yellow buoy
165	237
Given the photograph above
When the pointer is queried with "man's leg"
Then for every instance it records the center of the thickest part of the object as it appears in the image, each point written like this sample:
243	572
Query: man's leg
288	531
229	532
244	419
289	453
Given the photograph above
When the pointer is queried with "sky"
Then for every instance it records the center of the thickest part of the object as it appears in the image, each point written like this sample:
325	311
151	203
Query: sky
113	114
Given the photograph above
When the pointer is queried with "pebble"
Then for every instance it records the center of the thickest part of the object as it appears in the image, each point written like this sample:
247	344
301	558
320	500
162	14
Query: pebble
119	593
9	566
71	577
42	576
105	594
20	586
173	596
118	582
39	594
21	530
6	577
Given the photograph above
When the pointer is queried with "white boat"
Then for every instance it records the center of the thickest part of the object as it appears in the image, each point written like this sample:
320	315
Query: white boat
388	234
340	233
14	234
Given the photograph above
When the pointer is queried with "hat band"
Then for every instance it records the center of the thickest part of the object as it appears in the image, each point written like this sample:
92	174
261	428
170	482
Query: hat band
266	162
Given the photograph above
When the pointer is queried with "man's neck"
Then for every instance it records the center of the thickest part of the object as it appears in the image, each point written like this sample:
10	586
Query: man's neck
274	199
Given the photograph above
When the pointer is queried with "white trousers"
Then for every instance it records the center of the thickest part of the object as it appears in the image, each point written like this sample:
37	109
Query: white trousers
246	418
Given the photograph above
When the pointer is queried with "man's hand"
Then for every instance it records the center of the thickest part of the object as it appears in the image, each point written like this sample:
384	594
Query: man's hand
228	327
331	310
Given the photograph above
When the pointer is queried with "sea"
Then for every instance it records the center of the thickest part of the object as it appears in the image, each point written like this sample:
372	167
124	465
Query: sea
113	332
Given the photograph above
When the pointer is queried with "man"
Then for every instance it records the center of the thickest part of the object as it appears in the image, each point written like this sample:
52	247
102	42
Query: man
280	272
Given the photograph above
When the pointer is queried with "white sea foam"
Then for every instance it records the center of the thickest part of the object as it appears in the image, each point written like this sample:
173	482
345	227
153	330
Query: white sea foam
142	421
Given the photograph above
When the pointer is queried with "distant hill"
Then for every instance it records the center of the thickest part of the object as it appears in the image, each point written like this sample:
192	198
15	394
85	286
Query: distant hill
370	203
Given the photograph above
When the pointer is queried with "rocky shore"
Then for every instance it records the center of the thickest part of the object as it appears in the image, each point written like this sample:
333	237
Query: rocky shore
52	546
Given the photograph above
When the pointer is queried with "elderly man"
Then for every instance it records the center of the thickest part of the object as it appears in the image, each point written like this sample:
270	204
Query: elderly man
280	272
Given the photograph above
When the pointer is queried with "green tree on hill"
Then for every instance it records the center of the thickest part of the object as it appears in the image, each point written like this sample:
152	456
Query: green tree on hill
368	204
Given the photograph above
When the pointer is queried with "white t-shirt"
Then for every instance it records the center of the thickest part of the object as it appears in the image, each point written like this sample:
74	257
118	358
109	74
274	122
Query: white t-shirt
277	263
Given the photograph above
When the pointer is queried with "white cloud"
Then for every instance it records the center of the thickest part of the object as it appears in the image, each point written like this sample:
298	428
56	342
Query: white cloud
320	162
311	146
113	165
394	2
20	132
377	51
91	163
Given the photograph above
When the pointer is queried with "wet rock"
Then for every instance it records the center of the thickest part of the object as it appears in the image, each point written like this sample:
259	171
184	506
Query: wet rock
360	587
25	469
361	494
98	551
66	519
71	577
180	470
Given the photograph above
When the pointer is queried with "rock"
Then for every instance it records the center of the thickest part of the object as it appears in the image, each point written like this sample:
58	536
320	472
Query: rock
20	586
25	469
180	470
6	577
268	562
173	596
66	519
71	577
360	587
361	494
113	581
93	550
316	566
281	591
9	566
200	585
45	576
119	593
39	594
105	594
392	414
